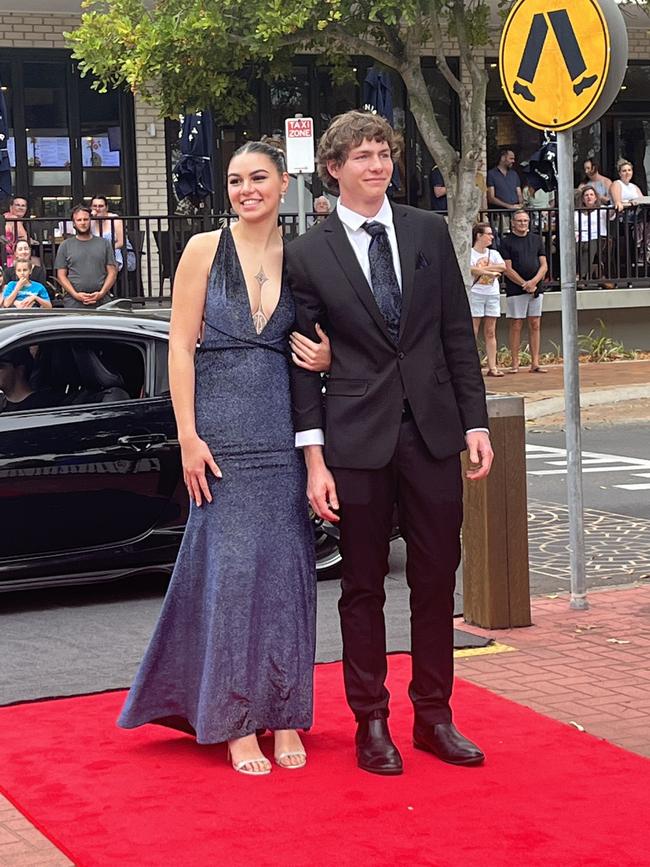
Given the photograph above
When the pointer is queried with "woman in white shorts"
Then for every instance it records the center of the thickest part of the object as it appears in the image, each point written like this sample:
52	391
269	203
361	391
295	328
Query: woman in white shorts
486	267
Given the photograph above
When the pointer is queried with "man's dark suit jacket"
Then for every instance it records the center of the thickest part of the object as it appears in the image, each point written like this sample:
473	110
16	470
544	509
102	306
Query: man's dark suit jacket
435	365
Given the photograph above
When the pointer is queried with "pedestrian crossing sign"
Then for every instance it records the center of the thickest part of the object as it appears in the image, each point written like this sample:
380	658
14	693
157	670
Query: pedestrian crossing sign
554	60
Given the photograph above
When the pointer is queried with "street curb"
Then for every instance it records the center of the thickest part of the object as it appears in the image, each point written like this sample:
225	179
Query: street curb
553	405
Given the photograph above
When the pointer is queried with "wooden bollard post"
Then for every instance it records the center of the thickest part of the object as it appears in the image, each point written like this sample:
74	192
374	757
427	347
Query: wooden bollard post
496	592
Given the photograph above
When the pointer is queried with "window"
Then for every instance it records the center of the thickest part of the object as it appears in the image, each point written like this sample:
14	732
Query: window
101	144
68	141
71	372
7	93
48	138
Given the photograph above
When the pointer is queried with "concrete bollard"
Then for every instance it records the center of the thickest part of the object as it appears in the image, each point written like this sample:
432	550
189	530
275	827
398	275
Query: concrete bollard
496	592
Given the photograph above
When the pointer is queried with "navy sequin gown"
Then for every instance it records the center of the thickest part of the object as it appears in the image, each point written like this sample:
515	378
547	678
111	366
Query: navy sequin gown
233	649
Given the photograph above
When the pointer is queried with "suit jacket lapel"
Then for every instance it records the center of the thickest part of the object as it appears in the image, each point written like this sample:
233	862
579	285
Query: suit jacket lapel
406	244
338	241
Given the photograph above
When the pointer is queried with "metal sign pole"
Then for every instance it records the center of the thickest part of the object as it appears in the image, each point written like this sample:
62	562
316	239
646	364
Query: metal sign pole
571	372
302	219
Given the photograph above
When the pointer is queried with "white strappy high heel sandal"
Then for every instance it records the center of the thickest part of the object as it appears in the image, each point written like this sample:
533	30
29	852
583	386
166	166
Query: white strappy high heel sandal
280	756
241	768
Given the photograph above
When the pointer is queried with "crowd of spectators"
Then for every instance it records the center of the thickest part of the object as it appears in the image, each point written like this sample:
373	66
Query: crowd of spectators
85	264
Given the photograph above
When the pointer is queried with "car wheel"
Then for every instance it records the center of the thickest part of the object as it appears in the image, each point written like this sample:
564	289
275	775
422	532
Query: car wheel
328	554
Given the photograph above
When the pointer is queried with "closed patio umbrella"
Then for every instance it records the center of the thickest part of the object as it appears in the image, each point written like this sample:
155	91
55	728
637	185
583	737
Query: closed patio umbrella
378	97
5	167
192	174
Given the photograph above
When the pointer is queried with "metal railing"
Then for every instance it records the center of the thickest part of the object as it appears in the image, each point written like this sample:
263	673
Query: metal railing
151	250
612	249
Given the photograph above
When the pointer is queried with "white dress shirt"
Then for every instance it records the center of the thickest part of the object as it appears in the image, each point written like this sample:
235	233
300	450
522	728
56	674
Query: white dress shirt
360	242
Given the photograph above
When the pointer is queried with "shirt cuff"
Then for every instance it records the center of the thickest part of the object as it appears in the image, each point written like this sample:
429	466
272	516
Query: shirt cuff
312	437
477	430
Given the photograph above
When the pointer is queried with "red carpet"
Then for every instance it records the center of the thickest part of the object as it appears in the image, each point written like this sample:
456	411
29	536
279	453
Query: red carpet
548	794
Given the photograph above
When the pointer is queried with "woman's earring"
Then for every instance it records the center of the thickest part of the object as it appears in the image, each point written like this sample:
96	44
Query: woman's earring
282	198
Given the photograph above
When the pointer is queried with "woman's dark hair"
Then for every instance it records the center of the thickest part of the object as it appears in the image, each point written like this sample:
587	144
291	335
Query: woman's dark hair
101	199
479	229
270	151
596	167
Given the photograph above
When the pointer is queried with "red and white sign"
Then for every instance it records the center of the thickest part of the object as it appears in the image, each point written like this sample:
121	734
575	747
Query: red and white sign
299	135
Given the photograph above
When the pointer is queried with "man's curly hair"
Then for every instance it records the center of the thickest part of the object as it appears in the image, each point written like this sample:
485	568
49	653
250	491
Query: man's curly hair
348	131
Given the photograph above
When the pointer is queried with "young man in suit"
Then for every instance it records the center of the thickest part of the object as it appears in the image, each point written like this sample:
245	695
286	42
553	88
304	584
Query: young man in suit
403	398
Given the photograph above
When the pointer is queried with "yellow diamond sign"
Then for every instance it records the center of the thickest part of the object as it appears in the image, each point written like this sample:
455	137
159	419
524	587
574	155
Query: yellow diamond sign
554	60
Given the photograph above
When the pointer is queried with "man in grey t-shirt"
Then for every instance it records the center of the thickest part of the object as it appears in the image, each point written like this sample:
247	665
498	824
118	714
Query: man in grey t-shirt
85	265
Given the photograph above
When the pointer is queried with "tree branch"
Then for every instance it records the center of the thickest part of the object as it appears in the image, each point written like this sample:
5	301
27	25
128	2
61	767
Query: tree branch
358	45
439	53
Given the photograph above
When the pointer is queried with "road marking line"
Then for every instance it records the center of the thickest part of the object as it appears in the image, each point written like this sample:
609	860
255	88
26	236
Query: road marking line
640	487
601	469
483	651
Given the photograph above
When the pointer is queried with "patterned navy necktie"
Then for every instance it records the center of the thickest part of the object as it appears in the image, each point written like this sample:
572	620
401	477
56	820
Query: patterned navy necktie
383	279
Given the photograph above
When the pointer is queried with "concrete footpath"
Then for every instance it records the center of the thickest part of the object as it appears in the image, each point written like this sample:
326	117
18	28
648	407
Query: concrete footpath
623	385
589	669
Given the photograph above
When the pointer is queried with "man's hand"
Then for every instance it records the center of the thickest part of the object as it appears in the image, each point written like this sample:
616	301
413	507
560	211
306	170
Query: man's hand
321	492
480	455
88	297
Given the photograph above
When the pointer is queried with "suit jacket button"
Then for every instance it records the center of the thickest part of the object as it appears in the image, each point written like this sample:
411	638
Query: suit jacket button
400	355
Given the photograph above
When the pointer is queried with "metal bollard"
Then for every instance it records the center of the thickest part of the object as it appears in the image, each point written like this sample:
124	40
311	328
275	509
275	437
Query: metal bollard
496	592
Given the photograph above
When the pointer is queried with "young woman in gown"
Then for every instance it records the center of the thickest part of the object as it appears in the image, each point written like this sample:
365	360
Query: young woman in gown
233	650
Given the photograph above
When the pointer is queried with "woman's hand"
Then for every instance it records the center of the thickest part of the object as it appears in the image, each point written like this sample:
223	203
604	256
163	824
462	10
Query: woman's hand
195	454
309	355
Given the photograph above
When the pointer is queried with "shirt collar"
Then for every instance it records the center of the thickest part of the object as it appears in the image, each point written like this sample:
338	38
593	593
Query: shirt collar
355	221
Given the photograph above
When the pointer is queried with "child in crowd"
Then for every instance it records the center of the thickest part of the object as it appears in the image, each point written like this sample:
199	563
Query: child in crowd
25	292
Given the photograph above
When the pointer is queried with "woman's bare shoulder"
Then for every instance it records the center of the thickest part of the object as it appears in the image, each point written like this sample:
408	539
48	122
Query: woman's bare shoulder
205	239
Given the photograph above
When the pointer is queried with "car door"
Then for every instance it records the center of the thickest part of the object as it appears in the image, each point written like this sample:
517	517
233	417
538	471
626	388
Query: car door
85	486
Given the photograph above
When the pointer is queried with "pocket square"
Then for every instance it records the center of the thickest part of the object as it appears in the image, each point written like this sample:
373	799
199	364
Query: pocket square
422	261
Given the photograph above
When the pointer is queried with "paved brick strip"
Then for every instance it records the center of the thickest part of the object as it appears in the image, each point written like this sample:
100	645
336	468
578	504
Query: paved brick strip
22	845
590	668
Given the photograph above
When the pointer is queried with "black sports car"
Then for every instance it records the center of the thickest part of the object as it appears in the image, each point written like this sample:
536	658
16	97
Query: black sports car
91	486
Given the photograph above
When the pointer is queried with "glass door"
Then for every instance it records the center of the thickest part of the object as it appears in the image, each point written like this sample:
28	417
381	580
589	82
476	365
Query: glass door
49	156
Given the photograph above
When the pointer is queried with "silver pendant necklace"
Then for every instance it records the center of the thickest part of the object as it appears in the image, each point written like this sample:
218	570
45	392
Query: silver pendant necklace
259	318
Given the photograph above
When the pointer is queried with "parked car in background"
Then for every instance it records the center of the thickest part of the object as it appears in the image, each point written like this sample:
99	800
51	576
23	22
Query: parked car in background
91	485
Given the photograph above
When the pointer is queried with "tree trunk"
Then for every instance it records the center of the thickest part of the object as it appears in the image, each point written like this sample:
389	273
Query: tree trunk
463	211
463	194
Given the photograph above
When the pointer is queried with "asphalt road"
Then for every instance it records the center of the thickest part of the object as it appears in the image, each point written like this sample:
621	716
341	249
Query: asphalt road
616	468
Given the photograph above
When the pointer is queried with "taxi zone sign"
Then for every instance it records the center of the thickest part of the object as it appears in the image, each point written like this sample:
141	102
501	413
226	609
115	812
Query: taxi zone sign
299	136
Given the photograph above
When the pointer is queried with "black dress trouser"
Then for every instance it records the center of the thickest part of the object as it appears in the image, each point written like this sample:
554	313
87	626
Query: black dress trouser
428	493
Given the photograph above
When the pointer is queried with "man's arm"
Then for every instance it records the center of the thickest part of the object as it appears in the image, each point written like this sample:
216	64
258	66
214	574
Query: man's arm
534	282
62	277
321	489
306	387
513	275
109	281
61	265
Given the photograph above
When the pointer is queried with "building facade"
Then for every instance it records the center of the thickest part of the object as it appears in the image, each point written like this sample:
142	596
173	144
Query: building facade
68	141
